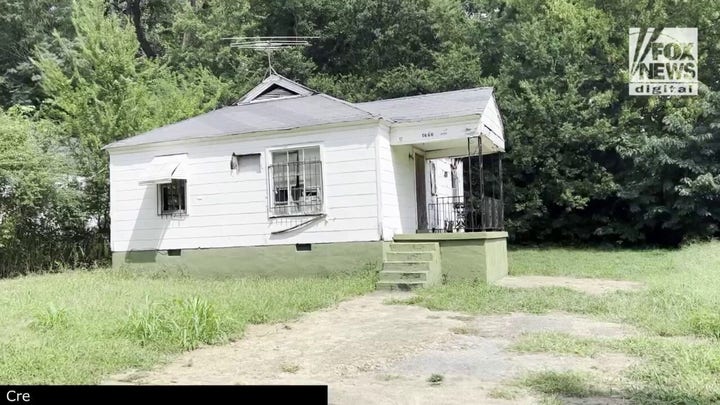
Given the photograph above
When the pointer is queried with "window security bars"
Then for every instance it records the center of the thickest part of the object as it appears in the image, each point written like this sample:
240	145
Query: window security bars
296	183
172	197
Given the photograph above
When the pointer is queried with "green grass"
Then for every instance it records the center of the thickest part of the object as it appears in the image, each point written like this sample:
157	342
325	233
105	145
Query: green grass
180	323
78	327
566	383
674	370
681	299
561	343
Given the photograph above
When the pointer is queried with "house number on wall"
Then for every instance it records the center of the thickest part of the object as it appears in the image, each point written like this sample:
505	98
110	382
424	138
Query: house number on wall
428	134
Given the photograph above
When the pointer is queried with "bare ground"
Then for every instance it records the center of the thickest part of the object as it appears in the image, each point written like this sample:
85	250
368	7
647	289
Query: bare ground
372	353
593	286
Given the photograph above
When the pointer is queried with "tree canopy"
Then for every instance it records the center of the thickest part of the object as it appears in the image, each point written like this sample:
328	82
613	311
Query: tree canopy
586	162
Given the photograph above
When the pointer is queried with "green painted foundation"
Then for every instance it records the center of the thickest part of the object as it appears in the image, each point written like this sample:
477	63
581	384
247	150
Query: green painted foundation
474	256
267	261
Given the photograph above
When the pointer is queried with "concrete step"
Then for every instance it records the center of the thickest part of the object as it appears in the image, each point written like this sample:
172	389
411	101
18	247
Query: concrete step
399	285
407	267
409	256
403	276
413	247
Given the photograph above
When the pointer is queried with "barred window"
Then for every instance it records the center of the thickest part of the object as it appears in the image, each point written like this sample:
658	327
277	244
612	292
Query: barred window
296	182
172	197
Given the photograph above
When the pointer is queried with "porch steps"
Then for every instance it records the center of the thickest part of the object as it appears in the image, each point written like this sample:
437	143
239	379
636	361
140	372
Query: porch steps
407	266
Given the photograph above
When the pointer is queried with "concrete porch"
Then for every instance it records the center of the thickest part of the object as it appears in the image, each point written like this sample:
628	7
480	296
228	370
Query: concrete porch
425	259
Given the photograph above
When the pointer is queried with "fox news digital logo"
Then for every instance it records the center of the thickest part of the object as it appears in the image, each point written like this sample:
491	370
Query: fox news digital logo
663	62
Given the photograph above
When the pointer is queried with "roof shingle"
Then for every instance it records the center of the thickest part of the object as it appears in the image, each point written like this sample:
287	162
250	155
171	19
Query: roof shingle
310	109
431	106
272	115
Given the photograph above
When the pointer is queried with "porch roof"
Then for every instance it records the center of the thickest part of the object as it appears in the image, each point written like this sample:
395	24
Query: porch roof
431	106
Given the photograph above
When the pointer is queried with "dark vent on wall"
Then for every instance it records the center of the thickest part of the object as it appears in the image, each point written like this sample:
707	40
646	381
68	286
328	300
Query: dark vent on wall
275	91
174	252
303	247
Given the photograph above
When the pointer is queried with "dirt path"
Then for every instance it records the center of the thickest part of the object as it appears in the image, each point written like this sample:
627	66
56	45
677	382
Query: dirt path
372	353
592	286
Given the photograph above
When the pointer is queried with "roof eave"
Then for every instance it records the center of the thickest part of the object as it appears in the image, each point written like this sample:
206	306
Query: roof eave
268	132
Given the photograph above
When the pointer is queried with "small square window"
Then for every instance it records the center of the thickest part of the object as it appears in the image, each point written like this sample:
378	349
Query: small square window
172	197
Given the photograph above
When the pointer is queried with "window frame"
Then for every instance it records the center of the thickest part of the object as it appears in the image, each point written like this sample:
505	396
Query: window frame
183	198
271	204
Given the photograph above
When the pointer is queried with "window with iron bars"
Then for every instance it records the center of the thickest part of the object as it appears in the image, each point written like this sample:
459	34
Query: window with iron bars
172	197
296	187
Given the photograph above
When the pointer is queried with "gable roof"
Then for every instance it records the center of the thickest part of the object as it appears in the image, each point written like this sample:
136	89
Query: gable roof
275	86
278	103
280	114
431	106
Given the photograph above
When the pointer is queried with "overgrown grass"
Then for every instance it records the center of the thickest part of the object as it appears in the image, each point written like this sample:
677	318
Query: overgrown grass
77	327
180	323
51	318
566	383
681	299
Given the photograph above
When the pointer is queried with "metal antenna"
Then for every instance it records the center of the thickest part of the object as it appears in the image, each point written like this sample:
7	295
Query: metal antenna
269	44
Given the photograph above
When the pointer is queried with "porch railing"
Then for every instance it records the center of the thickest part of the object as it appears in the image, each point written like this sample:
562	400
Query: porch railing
460	214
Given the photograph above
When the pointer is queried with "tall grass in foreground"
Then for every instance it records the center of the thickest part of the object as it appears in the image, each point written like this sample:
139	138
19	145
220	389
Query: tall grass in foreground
681	301
77	327
180	323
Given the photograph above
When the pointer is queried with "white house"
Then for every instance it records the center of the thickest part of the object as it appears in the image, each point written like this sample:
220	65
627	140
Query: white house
291	181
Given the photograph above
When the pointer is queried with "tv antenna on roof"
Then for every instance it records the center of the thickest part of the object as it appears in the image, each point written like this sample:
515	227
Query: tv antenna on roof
269	44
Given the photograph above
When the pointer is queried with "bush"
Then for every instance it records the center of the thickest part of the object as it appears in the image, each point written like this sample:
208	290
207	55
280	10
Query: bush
181	324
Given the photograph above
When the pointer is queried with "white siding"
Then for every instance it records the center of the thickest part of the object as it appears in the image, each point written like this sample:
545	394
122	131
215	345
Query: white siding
227	209
397	173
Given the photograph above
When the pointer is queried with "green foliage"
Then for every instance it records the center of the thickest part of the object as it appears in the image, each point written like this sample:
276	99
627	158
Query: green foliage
42	222
181	323
23	26
585	162
100	92
119	320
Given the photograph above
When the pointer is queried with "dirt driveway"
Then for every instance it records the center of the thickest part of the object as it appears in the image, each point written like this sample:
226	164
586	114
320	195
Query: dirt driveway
372	353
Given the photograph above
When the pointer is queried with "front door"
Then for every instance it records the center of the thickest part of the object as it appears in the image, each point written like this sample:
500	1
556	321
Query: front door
420	193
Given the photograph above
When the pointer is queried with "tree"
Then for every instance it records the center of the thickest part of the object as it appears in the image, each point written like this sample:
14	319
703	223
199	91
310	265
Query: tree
42	223
100	91
23	26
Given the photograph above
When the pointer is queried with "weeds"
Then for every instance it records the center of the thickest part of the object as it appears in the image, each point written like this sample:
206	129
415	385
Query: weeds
52	318
567	383
113	320
706	323
182	324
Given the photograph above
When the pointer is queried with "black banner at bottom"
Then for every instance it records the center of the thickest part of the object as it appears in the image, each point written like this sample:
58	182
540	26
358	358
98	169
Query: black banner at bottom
154	394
